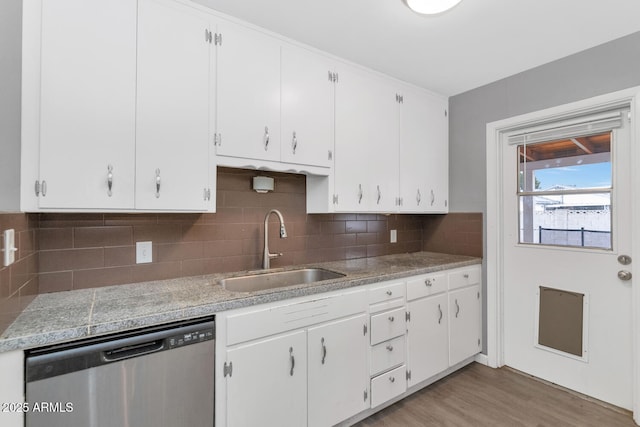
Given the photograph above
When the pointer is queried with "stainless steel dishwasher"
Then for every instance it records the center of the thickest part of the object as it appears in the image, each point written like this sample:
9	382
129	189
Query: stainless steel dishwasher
162	376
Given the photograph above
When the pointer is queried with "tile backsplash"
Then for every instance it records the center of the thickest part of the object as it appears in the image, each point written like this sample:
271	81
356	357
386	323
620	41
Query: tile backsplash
63	251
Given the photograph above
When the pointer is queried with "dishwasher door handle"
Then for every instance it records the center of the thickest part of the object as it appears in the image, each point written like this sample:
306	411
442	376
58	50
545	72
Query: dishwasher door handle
134	350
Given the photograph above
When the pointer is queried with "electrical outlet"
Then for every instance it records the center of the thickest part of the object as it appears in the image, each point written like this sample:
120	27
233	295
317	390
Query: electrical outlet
9	247
393	236
144	252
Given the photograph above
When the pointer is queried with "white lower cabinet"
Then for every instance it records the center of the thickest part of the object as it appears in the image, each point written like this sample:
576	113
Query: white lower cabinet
334	358
337	375
267	383
465	324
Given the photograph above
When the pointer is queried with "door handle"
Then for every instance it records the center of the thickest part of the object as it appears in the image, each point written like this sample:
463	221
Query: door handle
624	275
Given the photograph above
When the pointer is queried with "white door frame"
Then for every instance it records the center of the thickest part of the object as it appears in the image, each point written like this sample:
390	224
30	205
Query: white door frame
495	140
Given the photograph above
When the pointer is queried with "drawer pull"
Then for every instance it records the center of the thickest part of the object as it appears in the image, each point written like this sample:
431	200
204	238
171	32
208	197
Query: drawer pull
457	309
391	318
390	347
439	318
428	282
292	359
466	276
389	293
392	379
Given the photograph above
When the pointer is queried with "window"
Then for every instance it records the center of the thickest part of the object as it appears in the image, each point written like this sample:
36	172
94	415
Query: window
564	191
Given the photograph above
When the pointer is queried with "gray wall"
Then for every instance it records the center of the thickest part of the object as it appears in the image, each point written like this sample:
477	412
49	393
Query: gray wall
606	68
10	90
602	69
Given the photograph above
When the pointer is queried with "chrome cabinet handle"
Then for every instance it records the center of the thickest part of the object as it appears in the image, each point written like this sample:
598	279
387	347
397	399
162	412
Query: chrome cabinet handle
439	318
433	197
466	276
391	318
266	138
390	347
294	143
109	180
428	282
157	183
324	350
418	197
457	308
43	188
392	379
293	360
379	195
37	188
389	293
359	193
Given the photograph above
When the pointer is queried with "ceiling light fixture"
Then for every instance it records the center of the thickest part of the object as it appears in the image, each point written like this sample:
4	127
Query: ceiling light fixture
431	7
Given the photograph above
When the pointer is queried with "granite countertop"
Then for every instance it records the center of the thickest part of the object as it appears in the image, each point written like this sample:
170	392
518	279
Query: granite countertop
66	316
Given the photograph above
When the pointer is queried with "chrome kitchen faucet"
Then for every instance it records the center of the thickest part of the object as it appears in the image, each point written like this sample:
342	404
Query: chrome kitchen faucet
266	259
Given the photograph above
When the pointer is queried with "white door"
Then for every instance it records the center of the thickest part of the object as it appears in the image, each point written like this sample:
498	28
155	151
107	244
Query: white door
268	382
248	90
88	90
338	371
307	107
566	221
172	125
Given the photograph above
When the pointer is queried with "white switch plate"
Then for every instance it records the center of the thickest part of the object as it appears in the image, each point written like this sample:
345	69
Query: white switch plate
394	236
9	247
144	252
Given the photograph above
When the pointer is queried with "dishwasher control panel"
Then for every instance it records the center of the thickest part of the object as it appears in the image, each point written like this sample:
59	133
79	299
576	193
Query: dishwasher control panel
193	337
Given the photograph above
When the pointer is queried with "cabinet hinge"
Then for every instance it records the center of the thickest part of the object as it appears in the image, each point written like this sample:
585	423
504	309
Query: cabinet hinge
218	39
478	342
335	199
408	375
330	155
330	76
629	116
207	194
217	139
445	113
207	36
364	329
227	369
335	77
366	395
478	295
407	316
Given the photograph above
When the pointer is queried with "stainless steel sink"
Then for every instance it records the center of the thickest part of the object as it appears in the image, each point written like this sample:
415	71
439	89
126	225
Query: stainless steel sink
279	279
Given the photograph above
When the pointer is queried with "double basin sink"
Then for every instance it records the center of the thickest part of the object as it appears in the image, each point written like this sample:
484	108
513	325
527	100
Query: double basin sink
263	281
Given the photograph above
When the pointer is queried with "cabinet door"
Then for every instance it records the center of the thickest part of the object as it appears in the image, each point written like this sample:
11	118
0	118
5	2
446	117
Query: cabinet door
174	67
338	371
248	119
465	310
366	141
307	108
424	154
268	382
427	338
87	109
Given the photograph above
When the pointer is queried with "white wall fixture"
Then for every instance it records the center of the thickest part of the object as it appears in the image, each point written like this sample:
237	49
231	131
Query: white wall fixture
9	247
262	184
431	7
144	252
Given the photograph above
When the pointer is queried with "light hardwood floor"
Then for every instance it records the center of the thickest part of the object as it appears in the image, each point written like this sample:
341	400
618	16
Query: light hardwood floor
481	396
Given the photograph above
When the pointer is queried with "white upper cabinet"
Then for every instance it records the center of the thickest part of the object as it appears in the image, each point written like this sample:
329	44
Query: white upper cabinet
366	142
248	81
175	70
307	107
424	151
87	105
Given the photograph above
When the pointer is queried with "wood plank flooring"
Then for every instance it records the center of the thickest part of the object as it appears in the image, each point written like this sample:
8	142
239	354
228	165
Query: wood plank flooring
480	396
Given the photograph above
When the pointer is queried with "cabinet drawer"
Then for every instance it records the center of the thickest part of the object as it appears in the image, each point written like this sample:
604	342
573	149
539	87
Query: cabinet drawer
387	354
429	284
249	324
387	325
388	385
465	277
386	292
